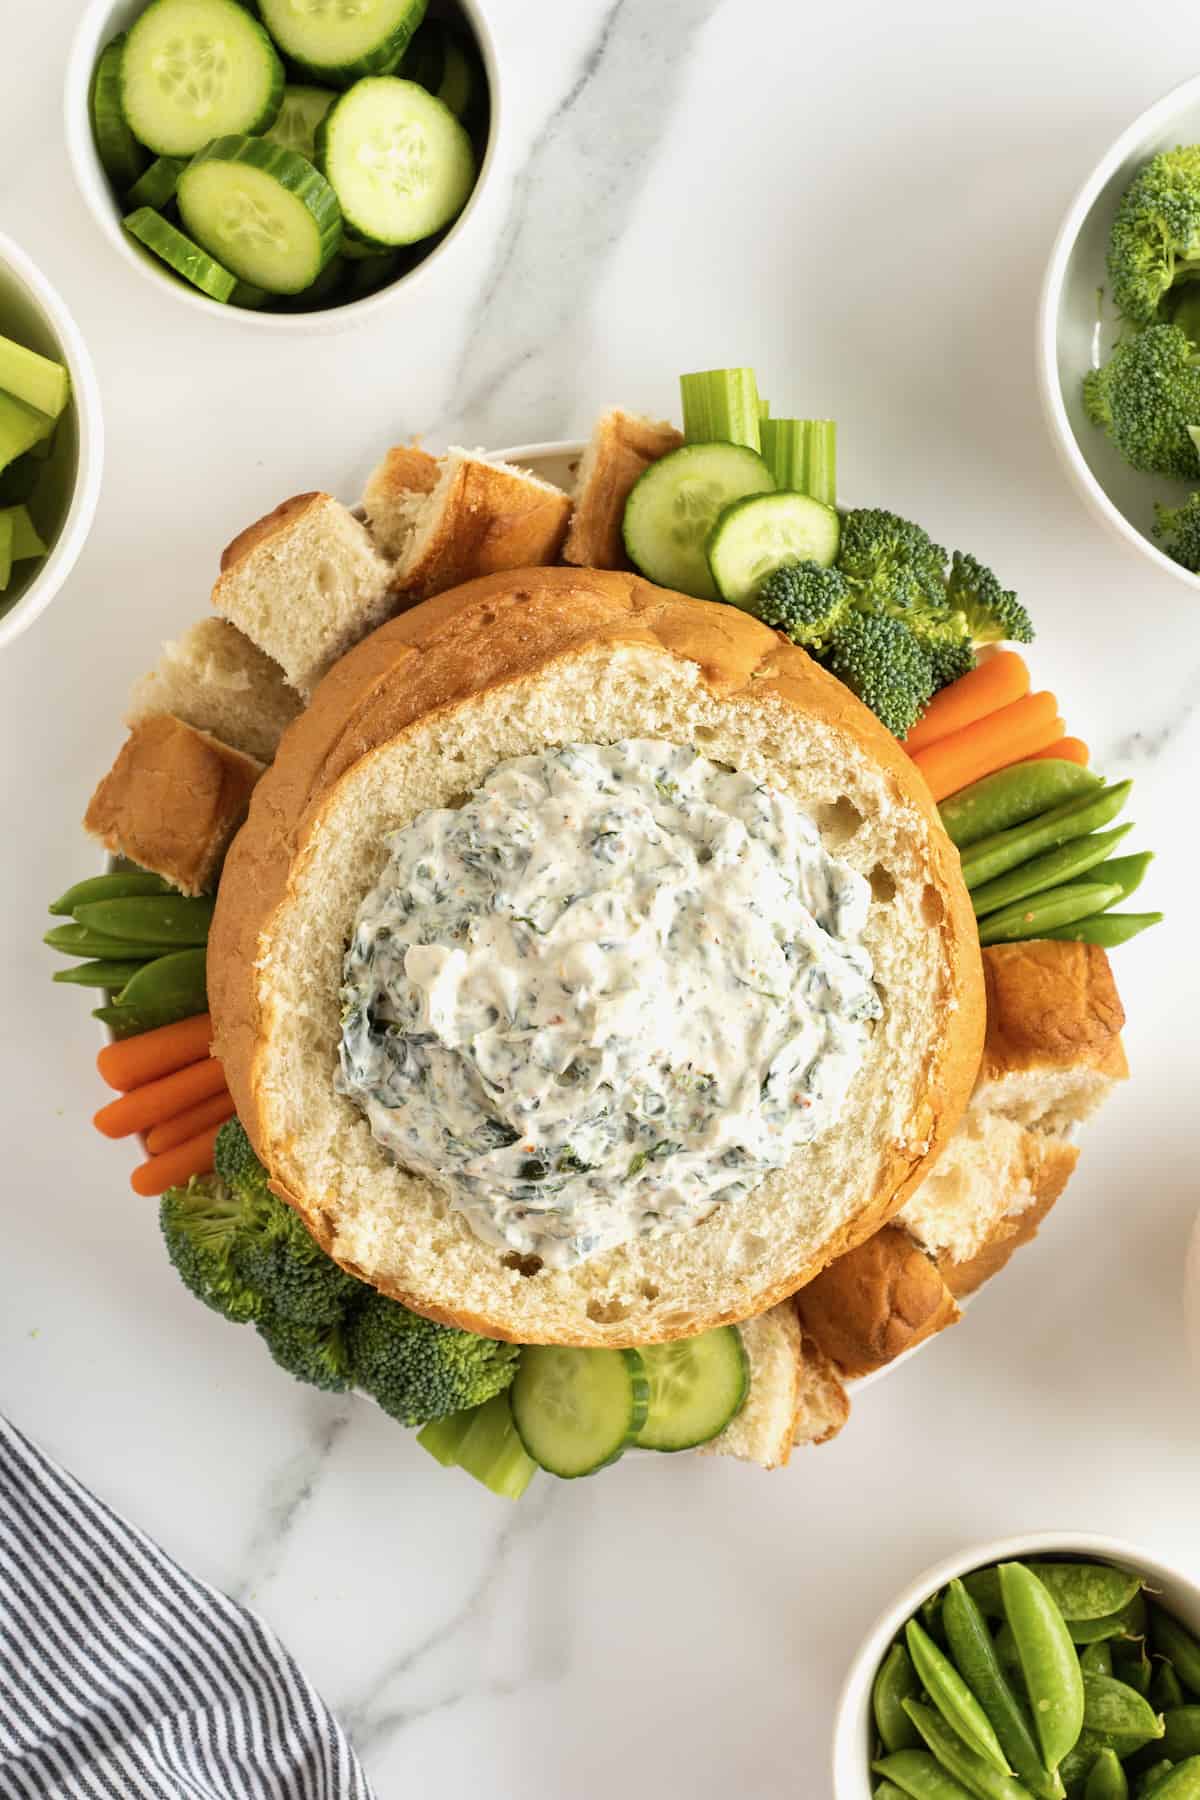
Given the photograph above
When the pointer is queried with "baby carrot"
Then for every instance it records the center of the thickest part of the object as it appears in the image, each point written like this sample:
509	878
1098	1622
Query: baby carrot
1008	736
997	682
187	1124
1067	749
153	1053
174	1167
157	1101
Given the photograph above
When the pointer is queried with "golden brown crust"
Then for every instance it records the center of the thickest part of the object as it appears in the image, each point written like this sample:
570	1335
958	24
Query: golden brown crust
405	469
1047	1165
172	800
623	447
1051	1004
490	521
280	518
872	1305
823	1405
497	631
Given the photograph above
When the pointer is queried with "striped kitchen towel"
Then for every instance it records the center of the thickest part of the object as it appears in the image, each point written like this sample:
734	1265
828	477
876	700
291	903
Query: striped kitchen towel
123	1678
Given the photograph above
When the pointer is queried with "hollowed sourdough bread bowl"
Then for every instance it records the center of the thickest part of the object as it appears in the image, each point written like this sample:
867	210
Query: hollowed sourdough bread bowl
415	717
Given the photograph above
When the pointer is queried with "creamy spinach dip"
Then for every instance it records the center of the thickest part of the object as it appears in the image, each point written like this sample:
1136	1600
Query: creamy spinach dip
606	995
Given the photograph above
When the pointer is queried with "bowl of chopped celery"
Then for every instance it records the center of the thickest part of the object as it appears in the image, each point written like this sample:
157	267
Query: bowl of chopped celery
51	442
294	168
1118	327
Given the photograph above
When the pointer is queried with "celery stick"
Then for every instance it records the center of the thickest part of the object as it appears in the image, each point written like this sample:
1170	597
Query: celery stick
6	540
40	383
484	1442
802	456
20	428
764	410
25	539
720	406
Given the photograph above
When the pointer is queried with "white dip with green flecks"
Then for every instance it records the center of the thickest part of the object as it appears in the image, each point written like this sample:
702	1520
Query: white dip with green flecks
608	994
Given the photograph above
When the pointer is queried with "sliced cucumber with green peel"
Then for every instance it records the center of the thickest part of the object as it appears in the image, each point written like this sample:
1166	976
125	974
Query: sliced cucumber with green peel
425	58
697	1385
267	213
194	70
187	259
340	40
754	537
675	504
399	162
121	156
156	185
295	127
576	1410
462	79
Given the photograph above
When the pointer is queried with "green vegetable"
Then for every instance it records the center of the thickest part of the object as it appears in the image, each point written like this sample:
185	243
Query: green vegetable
720	406
1117	1716
754	537
400	163
200	1225
6	549
697	1386
1145	397
295	126
175	984
1053	1678
975	1773
880	660
131	1021
1182	1650
99	974
80	940
1155	239
35	379
993	614
194	70
896	1682
1181	1732
19	479
26	540
1044	912
953	1698
974	1654
264	213
1012	797
806	602
918	1774
1096	1658
119	151
1179	526
886	1791
578	1410
1180	1783
1080	1590
316	1354
802	456
1109	929
1042	872
120	886
673	506
418	1370
1166	1689
173	921
340	43
484	1442
20	428
1153	1778
155	186
892	564
1107	1779
179	253
1128	872
993	856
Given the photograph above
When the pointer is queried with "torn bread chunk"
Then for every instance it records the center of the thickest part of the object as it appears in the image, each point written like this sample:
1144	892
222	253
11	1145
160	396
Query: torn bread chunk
878	1301
824	1405
482	518
621	448
172	802
394	492
764	1430
216	680
305	583
1053	1049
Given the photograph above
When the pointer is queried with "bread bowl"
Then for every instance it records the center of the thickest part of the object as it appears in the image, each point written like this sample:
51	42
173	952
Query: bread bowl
415	717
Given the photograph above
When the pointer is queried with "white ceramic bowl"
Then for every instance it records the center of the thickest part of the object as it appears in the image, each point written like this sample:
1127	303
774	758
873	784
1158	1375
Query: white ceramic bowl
32	312
101	21
852	1779
1075	334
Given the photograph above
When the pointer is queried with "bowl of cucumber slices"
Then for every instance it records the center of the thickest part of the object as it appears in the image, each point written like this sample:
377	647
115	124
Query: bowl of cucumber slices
293	167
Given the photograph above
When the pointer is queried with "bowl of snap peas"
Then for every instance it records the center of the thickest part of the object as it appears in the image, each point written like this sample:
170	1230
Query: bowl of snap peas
1052	1666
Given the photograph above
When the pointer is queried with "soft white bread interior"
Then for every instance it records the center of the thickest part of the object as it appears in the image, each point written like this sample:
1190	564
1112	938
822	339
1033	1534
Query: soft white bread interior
215	679
393	492
304	583
172	801
824	1404
480	518
416	717
621	448
796	1395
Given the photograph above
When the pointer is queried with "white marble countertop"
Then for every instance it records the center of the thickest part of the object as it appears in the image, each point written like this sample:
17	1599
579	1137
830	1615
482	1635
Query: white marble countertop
862	209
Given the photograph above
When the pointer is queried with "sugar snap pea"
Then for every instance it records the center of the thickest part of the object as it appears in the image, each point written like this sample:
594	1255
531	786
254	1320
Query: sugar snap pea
1107	929
1011	797
1128	871
975	1656
1107	1780
886	1791
1177	1644
1096	1658
170	982
1180	1783
1009	1658
918	1774
952	1697
172	921
1077	1764
976	1774
1182	1732
1047	871
1166	1689
111	975
1150	1779
1053	1678
930	1615
1042	912
123	885
1130	1662
1117	1715
1115	1628
78	940
895	1683
995	856
1081	1590
131	1021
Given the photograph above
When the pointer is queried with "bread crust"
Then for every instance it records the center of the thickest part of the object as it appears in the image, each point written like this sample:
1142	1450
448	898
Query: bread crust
482	637
881	1299
1051	1004
490	520
622	448
1047	1165
280	518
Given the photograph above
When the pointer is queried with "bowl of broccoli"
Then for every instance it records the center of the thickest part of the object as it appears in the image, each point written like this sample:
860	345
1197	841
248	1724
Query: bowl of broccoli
1119	336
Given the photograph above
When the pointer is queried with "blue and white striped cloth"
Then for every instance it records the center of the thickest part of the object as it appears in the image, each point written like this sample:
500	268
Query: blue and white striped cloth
123	1678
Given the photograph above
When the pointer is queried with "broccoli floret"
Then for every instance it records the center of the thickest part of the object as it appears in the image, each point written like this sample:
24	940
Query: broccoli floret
949	657
993	614
804	601
200	1225
1180	526
1146	396
1155	238
891	564
880	660
317	1355
418	1370
237	1164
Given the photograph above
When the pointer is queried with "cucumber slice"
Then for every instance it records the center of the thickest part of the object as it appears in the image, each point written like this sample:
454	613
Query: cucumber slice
250	299
121	156
179	253
193	70
675	504
156	186
265	212
326	290
295	128
339	40
576	1410
400	163
461	79
425	58
751	538
697	1385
